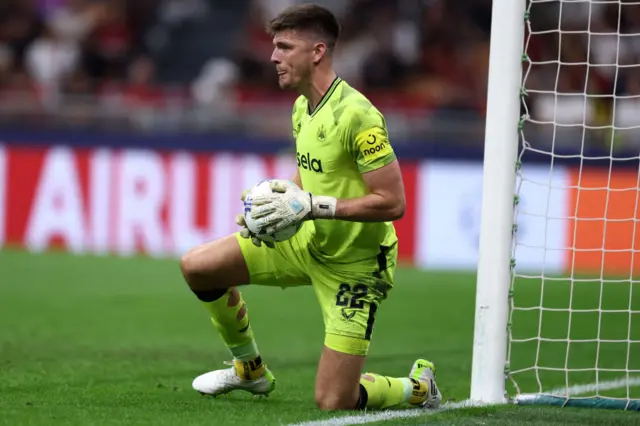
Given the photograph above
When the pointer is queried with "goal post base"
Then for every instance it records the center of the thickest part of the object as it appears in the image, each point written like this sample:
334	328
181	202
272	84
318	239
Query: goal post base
592	402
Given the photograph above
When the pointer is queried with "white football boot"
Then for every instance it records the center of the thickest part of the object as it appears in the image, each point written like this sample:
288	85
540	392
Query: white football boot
253	377
424	371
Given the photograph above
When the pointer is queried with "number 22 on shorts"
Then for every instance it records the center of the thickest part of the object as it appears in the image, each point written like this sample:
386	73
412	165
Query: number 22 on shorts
351	297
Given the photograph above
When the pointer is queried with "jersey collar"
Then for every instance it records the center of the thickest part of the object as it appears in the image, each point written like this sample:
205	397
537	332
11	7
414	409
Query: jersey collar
325	97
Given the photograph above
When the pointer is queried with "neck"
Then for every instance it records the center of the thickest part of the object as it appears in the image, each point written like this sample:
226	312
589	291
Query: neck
317	87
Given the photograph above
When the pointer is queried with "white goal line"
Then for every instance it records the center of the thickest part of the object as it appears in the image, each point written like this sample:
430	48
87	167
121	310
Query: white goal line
382	416
416	412
593	387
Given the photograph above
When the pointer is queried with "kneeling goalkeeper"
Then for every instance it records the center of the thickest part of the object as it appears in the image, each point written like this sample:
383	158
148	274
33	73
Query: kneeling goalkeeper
347	191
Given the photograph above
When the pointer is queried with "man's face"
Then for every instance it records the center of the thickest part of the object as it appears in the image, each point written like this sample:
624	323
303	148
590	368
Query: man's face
293	55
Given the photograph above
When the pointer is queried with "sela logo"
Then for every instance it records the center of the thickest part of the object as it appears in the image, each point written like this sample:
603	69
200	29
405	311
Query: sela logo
308	163
374	149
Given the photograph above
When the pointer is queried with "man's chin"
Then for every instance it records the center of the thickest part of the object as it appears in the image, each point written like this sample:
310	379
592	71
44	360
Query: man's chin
285	84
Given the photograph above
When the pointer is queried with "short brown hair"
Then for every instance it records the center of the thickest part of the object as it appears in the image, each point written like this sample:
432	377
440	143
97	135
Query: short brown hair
308	17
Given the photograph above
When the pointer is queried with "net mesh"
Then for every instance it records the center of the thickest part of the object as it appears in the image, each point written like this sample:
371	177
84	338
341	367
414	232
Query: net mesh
574	327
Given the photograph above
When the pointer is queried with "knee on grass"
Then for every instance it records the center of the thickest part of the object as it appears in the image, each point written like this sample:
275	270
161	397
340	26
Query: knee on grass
332	401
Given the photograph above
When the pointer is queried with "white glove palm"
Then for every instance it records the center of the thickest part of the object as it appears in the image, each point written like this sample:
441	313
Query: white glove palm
289	204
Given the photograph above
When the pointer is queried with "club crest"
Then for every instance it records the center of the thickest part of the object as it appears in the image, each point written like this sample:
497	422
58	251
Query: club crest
322	133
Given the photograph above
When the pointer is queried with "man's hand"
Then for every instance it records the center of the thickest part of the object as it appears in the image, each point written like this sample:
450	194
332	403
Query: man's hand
245	232
289	204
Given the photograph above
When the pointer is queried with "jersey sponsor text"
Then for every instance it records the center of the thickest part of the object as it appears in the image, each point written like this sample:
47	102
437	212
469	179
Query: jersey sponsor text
309	163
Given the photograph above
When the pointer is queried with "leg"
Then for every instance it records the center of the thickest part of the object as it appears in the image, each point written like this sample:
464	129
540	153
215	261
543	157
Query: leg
349	302
213	271
337	380
341	386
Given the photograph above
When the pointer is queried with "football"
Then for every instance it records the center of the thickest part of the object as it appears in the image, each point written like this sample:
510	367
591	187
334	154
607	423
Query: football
262	188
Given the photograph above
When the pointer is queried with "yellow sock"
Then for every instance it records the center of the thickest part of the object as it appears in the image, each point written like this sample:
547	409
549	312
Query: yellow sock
384	392
230	317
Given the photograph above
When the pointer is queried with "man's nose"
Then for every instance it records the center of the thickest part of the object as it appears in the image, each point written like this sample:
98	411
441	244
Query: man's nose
274	57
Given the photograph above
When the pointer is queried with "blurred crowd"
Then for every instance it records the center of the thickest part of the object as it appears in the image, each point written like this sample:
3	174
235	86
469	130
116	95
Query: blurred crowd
201	61
426	53
82	46
68	52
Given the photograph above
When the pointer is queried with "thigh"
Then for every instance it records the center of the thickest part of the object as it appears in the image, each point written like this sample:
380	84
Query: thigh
285	265
351	298
349	303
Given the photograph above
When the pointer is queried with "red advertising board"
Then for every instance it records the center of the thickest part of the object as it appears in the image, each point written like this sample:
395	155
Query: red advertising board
138	201
131	201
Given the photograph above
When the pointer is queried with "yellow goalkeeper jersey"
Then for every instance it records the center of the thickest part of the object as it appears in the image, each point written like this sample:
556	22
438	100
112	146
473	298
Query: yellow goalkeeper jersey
344	137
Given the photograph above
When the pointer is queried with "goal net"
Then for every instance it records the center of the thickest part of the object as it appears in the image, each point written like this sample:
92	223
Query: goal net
574	317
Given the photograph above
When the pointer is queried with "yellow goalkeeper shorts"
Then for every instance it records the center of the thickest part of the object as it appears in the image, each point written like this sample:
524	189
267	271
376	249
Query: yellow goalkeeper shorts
348	299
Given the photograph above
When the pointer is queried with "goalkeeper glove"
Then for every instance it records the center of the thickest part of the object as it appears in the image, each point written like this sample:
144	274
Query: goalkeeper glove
289	204
245	232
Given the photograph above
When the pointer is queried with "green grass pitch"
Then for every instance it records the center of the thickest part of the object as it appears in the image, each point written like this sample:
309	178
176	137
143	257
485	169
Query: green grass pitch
107	341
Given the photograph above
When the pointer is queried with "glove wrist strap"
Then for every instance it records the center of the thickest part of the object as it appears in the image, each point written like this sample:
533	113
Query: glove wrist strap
323	207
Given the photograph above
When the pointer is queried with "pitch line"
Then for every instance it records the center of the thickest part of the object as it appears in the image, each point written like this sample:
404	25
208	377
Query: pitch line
388	415
416	412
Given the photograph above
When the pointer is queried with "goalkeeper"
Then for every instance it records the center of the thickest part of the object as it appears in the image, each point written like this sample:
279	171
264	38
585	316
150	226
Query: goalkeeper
346	248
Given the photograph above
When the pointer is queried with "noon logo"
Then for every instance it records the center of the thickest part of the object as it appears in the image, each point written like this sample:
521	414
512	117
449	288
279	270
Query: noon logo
309	163
374	149
372	140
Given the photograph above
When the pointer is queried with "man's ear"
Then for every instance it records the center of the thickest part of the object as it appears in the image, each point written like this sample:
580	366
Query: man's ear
319	52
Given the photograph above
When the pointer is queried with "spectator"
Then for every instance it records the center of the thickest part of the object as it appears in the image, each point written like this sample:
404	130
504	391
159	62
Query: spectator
49	59
412	57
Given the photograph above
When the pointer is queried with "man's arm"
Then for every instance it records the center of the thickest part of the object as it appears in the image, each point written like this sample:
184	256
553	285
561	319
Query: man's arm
385	201
368	142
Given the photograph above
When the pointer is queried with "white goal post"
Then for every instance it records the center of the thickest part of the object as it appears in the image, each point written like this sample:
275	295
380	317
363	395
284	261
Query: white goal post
498	191
557	317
